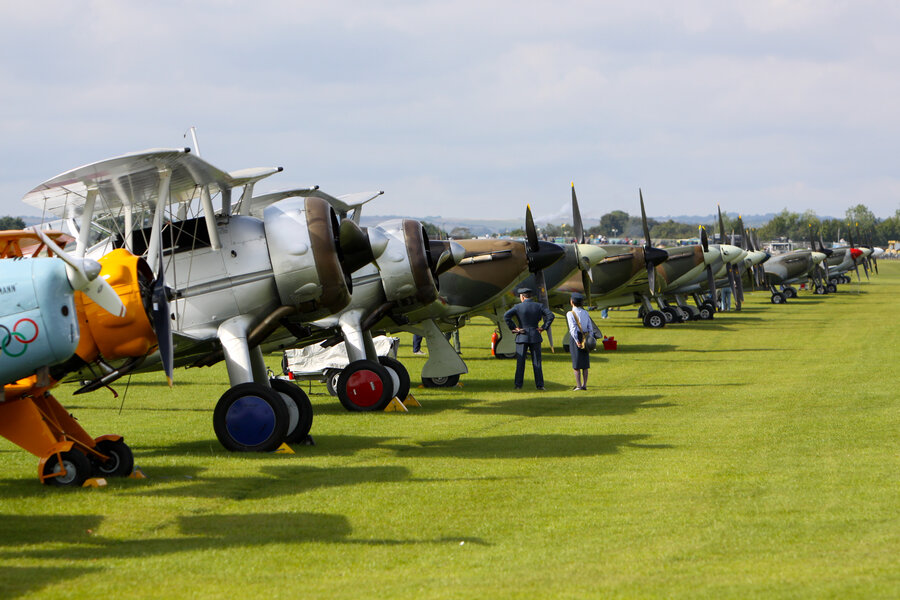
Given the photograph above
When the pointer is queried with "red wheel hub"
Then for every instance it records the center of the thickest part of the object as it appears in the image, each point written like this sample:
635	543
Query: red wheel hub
364	388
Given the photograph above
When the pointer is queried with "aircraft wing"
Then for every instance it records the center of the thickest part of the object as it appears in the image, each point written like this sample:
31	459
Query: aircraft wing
15	243
342	204
130	179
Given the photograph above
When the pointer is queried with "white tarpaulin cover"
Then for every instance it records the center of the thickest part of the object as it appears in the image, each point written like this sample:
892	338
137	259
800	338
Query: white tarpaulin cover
315	359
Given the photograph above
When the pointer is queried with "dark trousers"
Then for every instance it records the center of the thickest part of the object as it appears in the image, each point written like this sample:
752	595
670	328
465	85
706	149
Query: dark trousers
521	350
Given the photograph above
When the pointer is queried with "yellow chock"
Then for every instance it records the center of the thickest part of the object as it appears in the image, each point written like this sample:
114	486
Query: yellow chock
421	386
411	401
395	406
284	449
137	474
459	384
95	482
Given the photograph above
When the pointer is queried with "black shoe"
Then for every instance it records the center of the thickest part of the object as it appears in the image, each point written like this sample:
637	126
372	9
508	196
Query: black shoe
541	389
517	387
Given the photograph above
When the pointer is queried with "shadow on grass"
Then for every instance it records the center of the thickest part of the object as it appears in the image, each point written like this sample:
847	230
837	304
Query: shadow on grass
578	404
525	446
214	532
24	581
330	445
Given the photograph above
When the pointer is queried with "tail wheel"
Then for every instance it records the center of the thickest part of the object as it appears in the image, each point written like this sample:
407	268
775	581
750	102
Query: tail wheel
364	386
654	319
251	418
119	462
74	466
396	369
432	382
297	403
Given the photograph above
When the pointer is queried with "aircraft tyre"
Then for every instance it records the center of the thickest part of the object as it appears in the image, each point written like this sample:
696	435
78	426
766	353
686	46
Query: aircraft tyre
120	462
297	403
689	313
707	310
831	288
397	370
790	292
331	379
364	386
76	464
672	315
655	319
251	418
845	279
820	290
778	298
432	382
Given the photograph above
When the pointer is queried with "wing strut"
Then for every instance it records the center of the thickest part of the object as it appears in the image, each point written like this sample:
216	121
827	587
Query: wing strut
84	232
162	201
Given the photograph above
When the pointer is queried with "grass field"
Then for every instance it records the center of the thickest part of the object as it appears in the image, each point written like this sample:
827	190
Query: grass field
755	455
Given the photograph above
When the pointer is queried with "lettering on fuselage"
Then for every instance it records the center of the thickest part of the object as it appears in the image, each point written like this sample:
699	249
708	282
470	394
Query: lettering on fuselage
8	289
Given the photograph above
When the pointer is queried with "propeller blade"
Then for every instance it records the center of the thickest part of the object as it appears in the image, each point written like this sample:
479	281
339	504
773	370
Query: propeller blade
161	322
711	282
531	231
577	224
586	286
644	220
704	239
84	276
542	296
721	226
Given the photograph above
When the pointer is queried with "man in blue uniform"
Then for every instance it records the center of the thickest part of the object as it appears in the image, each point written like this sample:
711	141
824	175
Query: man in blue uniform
528	334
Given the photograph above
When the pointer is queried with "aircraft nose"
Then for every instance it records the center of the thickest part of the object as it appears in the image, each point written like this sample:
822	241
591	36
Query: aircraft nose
818	257
589	255
730	254
546	254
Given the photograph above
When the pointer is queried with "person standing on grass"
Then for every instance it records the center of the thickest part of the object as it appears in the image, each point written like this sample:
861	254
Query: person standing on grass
528	335
580	328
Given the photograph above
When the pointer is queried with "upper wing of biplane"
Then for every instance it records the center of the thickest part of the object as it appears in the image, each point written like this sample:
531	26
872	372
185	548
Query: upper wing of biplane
26	242
342	204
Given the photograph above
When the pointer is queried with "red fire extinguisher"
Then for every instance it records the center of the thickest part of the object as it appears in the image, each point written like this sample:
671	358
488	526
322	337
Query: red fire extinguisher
495	337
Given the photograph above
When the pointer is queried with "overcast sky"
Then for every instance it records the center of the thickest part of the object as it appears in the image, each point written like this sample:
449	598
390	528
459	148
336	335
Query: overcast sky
472	109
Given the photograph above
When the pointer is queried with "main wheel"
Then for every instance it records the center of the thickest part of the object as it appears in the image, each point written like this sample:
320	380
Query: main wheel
251	418
397	370
790	292
690	314
831	288
364	386
432	382
120	461
820	290
654	319
299	407
778	298
706	311
76	465
671	315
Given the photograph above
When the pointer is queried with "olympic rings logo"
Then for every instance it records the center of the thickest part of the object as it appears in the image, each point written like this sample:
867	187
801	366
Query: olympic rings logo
15	338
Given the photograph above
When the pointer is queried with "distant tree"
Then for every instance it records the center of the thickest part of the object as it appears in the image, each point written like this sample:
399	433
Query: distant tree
887	230
434	232
861	216
671	230
7	223
614	224
460	233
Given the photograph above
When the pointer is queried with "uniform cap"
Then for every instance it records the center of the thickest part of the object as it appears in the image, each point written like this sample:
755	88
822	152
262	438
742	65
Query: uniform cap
523	290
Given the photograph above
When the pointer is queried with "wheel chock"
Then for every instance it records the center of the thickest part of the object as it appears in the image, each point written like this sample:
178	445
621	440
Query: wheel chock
94	482
137	474
395	406
284	449
411	401
459	384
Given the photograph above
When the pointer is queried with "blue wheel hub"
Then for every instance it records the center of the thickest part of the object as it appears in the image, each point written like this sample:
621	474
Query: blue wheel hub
250	420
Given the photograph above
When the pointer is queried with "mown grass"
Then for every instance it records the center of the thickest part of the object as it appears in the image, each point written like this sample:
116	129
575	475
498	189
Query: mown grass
755	455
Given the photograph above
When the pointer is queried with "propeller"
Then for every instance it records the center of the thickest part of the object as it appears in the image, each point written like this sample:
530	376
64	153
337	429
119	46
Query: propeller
652	256
855	264
728	268
586	273
540	255
83	275
710	276
871	257
865	262
827	252
162	325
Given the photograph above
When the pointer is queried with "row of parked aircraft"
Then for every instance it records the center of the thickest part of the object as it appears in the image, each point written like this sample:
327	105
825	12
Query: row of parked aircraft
160	277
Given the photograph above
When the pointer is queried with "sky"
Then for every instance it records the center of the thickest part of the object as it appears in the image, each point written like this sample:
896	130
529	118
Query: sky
472	109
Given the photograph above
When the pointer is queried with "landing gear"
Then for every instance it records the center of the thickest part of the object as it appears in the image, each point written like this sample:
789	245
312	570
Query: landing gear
251	418
364	386
671	314
299	409
689	312
831	288
449	381
66	469
654	319
706	311
820	290
331	379
789	292
119	462
778	298
399	374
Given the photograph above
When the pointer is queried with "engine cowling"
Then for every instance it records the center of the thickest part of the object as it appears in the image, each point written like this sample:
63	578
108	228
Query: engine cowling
406	265
303	239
